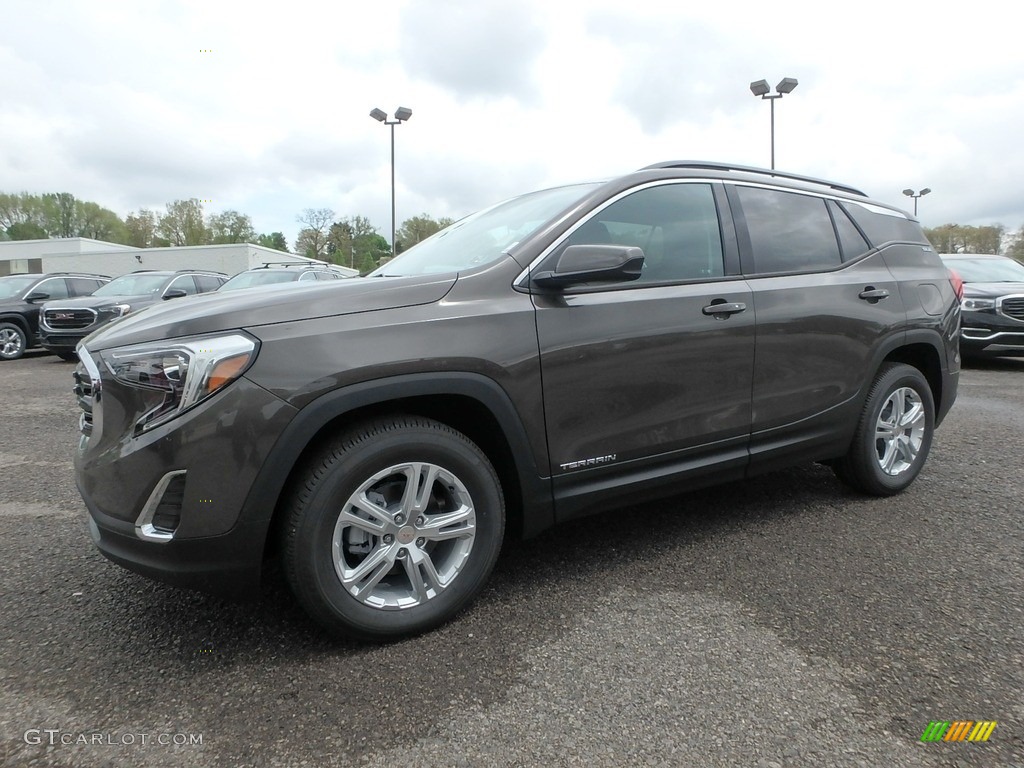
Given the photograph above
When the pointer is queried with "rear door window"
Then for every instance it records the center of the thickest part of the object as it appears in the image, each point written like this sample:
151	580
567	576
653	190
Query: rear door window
789	232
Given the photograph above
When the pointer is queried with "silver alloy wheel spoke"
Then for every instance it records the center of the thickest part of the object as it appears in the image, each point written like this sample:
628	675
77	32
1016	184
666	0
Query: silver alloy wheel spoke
899	431
403	536
451	525
368	574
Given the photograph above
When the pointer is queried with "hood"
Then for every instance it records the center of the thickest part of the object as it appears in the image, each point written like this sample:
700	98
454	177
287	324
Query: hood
992	290
252	307
91	302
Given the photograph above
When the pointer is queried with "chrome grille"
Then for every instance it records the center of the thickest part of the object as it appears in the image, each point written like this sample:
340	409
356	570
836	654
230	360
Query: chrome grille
1013	307
83	390
69	319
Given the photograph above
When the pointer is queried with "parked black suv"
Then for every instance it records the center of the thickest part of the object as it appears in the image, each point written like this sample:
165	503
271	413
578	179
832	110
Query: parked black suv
62	324
561	353
21	297
992	318
276	273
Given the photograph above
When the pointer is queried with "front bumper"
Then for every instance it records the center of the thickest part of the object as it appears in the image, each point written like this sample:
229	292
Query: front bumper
208	535
58	341
229	565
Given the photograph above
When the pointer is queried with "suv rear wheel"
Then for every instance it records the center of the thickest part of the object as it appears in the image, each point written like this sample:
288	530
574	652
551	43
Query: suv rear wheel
394	528
12	341
894	433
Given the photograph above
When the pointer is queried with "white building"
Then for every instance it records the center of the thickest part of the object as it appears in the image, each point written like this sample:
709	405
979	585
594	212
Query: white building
80	254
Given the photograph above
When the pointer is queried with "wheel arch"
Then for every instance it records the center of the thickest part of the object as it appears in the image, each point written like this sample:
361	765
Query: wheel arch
470	403
922	352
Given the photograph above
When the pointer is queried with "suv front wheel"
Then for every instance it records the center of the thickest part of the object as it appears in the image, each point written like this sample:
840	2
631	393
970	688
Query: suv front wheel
894	433
12	341
394	528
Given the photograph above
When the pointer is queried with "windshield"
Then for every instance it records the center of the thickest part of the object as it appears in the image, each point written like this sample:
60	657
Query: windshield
988	270
13	285
263	277
133	285
482	237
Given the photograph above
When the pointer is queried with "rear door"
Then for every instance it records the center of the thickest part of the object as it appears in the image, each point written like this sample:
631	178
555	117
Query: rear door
641	382
825	305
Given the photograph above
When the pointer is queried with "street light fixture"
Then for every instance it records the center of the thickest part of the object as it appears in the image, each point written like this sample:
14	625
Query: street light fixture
916	195
762	89
401	115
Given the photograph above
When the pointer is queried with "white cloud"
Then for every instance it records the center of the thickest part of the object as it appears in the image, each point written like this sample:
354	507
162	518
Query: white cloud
117	102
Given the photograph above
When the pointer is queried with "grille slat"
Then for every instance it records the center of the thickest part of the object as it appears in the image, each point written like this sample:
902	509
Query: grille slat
83	390
1013	307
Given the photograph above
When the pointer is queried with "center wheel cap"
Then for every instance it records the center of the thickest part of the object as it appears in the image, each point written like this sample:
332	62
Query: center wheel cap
406	535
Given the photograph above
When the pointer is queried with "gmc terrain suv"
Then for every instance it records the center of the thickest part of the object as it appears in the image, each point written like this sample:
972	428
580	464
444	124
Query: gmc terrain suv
564	352
21	296
62	324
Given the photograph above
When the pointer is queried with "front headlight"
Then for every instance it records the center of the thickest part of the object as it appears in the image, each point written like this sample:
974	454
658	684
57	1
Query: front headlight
976	304
117	310
176	374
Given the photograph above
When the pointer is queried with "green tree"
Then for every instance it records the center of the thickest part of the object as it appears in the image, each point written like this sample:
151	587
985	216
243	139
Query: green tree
417	229
98	223
230	227
274	240
964	238
142	228
183	224
60	211
312	238
26	230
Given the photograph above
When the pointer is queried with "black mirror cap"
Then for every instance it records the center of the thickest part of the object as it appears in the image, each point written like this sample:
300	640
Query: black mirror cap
37	296
175	293
593	263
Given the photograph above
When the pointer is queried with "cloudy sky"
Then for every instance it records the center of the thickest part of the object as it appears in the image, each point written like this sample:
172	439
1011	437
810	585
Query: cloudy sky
264	107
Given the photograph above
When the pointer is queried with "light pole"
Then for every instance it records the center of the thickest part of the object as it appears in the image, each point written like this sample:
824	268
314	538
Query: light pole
401	115
916	195
762	89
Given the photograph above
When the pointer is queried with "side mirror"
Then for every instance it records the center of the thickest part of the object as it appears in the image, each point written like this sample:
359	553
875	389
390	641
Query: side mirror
36	296
593	263
174	293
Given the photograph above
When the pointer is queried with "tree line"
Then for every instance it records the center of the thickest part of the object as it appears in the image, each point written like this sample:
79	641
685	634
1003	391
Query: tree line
351	241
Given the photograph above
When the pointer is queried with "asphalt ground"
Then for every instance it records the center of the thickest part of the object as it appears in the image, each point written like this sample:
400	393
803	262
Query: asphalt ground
784	621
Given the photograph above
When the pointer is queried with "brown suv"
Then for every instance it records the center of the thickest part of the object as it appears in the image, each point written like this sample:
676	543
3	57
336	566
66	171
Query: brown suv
561	353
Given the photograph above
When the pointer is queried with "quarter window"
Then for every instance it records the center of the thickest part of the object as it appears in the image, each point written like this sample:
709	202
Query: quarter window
789	232
676	226
851	241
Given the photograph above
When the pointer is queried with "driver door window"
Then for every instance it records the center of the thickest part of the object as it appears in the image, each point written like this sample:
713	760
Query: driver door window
676	226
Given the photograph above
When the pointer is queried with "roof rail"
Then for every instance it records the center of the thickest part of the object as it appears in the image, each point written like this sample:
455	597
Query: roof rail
78	274
307	264
198	271
697	164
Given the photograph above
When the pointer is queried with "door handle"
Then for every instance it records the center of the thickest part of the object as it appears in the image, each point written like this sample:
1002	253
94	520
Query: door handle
873	294
724	308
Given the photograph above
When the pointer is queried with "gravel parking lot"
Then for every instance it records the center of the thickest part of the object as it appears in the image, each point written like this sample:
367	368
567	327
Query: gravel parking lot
783	621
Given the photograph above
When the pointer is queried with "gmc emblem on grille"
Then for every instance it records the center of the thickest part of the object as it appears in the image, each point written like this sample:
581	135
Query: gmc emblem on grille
62	316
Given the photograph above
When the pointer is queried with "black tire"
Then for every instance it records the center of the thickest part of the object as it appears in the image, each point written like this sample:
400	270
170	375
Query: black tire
13	341
322	546
862	468
70	357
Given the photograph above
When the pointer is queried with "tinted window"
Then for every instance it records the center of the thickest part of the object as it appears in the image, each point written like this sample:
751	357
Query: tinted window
307	276
184	283
55	287
788	232
851	241
884	226
208	282
676	225
83	286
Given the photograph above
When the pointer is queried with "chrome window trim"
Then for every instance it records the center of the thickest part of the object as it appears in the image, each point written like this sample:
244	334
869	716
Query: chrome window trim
522	279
